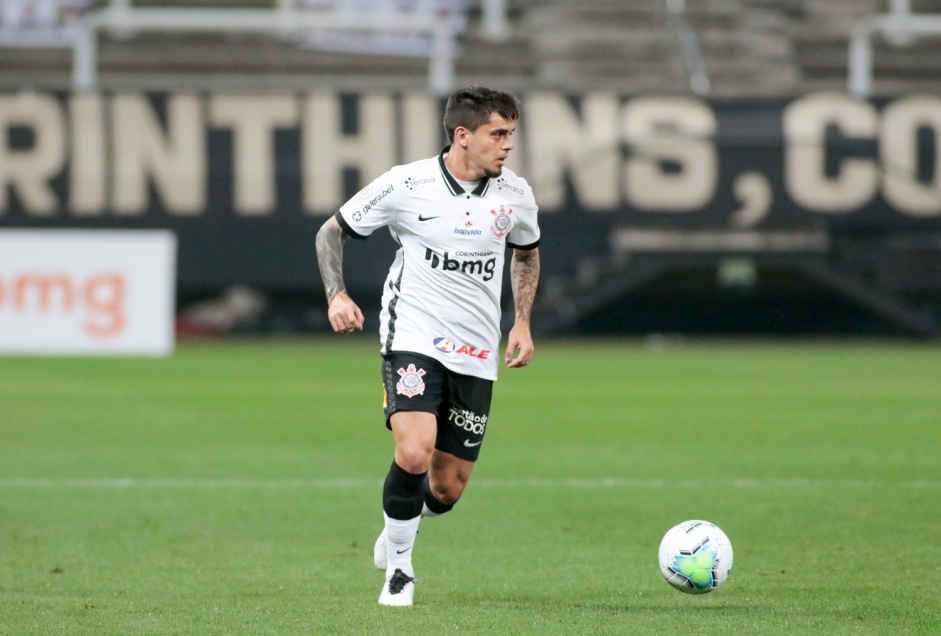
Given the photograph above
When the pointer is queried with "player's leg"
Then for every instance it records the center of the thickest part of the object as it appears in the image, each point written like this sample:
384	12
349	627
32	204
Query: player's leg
462	422
403	491
445	482
402	500
413	391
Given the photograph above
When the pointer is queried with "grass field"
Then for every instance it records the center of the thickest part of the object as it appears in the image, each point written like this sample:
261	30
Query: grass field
235	489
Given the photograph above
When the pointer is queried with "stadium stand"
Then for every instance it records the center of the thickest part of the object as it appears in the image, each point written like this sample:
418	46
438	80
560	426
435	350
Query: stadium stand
747	47
725	50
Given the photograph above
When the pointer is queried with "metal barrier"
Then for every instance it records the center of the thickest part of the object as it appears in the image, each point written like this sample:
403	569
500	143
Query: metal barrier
900	26
286	19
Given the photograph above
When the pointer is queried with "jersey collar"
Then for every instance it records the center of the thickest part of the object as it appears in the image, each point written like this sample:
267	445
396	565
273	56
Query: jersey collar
452	183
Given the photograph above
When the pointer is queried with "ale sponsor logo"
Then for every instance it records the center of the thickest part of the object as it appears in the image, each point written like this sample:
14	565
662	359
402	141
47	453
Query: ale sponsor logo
446	345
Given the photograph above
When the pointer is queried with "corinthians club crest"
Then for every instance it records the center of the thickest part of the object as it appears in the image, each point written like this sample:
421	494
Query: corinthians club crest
501	222
411	382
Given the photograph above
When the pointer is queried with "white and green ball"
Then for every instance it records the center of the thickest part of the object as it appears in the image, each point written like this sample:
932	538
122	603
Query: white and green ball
695	556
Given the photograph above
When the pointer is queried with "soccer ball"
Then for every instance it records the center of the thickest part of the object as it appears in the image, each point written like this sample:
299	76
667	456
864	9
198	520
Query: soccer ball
695	557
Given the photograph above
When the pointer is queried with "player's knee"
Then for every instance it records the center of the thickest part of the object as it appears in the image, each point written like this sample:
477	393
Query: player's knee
450	490
414	458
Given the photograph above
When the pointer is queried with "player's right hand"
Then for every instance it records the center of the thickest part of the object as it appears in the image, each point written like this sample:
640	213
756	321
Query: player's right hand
345	316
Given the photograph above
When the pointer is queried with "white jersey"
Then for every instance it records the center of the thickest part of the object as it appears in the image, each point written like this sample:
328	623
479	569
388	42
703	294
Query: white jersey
441	298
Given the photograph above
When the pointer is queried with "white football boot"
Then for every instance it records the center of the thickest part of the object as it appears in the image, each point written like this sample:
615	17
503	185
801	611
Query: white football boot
399	590
379	555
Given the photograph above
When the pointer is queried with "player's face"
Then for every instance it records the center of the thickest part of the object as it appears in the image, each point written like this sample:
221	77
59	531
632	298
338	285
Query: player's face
490	145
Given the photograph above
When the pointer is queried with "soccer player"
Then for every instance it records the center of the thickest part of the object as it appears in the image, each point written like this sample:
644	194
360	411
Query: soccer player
453	216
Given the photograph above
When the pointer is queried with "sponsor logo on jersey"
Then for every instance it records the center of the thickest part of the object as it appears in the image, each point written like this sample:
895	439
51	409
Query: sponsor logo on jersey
473	267
501	222
411	382
411	183
370	203
464	232
468	421
503	185
446	345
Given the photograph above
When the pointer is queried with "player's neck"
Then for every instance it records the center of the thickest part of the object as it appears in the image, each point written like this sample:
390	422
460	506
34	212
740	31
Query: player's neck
457	164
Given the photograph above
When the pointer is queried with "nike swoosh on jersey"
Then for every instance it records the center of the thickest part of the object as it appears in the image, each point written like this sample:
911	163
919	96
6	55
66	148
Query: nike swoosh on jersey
426	218
470	444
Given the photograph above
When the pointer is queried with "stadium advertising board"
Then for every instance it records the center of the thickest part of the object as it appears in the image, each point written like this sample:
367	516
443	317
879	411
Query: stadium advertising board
108	292
245	180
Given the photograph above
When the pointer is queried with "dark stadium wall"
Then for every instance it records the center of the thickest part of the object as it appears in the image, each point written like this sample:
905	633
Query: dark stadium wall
246	180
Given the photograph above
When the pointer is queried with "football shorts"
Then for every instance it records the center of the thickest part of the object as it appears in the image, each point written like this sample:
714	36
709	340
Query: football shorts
461	403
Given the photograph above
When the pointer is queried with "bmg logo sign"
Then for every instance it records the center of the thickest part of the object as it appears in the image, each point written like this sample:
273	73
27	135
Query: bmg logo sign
97	302
66	292
474	267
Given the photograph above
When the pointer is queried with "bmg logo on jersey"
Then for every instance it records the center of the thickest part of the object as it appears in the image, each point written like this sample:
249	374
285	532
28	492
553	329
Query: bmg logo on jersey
474	267
468	420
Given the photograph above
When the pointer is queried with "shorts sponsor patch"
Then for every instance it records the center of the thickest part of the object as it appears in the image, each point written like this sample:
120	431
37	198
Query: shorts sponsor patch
410	382
469	421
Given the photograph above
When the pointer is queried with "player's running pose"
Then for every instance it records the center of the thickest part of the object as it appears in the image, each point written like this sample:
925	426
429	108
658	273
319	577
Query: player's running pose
453	216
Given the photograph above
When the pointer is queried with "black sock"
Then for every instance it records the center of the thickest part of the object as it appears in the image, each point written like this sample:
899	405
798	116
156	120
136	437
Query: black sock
402	496
431	502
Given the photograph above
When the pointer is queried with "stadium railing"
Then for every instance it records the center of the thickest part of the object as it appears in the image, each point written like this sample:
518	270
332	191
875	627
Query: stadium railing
440	21
900	27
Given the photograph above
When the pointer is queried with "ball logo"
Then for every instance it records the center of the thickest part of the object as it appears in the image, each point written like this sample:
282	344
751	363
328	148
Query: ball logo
411	382
444	345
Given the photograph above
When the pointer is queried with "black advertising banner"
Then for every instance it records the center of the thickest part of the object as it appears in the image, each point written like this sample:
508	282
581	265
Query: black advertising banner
246	180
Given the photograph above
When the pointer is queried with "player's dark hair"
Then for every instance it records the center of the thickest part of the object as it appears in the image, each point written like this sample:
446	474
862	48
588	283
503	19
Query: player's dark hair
471	108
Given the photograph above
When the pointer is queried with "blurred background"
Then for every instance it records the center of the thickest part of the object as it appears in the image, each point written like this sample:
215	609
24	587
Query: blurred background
703	167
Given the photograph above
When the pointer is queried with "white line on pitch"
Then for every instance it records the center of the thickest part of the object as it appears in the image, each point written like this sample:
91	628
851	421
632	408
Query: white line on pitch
355	482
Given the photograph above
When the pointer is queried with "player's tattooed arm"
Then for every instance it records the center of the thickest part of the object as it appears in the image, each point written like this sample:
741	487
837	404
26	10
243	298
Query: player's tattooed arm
329	245
524	278
344	315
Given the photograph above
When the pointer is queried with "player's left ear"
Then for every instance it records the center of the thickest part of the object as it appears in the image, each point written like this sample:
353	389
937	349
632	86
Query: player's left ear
460	137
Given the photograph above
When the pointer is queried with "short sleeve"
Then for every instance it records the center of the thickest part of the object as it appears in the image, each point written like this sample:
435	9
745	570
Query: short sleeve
525	233
371	208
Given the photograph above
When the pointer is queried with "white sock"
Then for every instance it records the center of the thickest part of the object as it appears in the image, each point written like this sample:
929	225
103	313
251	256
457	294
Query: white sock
400	539
427	512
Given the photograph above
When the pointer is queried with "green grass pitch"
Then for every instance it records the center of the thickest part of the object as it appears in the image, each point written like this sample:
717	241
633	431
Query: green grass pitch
234	488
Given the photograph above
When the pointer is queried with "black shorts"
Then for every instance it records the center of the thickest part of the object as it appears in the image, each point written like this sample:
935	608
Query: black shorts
414	382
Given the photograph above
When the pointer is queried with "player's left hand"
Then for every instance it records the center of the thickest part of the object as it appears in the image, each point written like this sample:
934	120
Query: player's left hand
520	344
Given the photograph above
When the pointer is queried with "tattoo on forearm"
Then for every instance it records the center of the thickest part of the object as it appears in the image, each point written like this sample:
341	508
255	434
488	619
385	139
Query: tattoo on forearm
329	245
524	278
